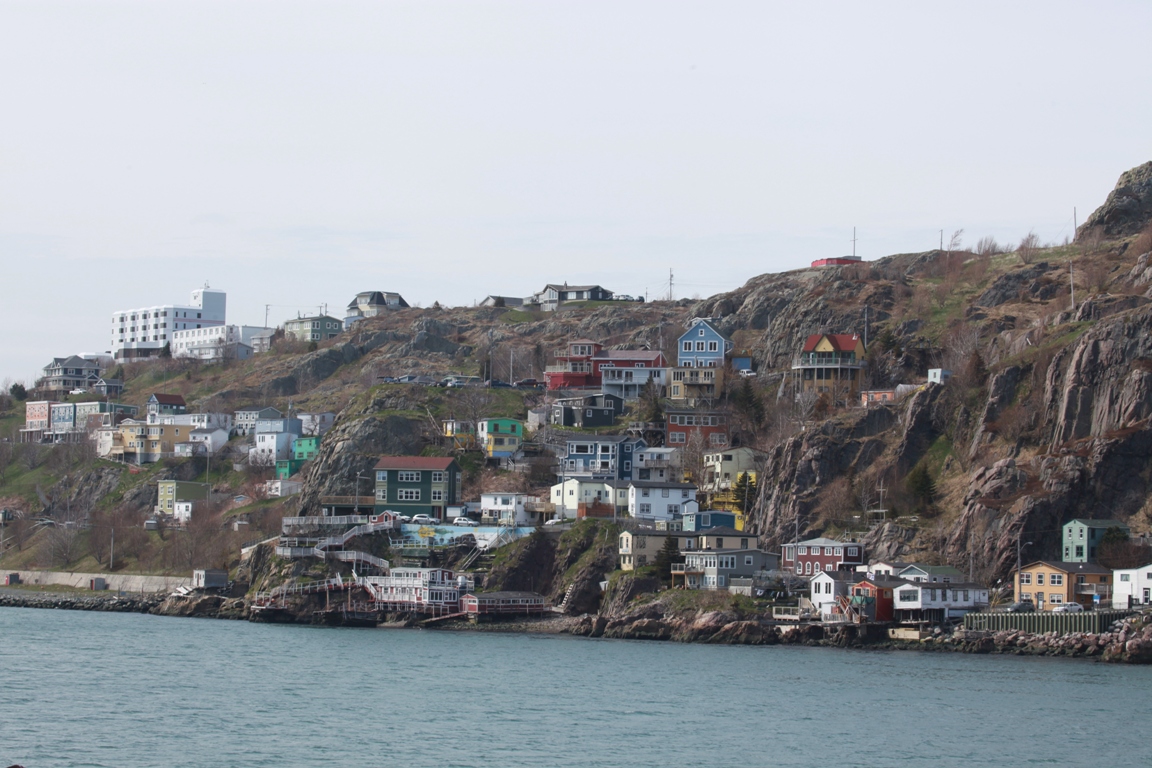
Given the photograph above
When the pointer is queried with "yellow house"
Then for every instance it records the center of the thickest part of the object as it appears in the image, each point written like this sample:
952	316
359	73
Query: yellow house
1049	584
831	362
460	435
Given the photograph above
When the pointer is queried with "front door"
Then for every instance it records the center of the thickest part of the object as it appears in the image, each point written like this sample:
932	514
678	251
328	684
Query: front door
1147	595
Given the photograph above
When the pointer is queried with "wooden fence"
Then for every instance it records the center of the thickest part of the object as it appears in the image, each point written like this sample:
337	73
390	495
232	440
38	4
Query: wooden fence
1045	621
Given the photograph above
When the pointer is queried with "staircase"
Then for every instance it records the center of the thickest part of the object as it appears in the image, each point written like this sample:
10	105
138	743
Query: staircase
567	599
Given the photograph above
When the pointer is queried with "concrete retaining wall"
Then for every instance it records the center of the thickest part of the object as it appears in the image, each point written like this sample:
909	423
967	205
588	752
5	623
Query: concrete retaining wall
128	582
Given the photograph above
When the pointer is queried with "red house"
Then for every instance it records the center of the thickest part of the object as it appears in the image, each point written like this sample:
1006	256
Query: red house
582	364
873	598
682	424
815	555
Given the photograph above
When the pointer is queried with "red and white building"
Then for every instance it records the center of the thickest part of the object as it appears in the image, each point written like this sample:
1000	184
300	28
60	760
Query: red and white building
415	590
493	603
815	555
585	364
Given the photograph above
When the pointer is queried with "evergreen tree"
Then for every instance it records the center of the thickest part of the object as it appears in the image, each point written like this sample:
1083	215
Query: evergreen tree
669	554
18	391
921	486
744	492
166	351
748	403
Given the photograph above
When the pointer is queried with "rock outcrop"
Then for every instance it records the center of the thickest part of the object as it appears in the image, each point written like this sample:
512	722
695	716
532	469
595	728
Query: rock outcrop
1128	209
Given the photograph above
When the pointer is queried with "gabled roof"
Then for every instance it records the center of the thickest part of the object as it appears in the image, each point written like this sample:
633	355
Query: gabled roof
72	361
415	462
573	287
258	409
696	321
932	570
163	399
841	342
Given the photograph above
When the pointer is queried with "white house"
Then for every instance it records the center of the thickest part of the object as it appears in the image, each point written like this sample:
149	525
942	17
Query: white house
930	573
280	488
827	587
194	420
1131	587
657	464
271	447
212	438
507	509
568	495
316	423
936	601
144	332
660	500
213	344
246	418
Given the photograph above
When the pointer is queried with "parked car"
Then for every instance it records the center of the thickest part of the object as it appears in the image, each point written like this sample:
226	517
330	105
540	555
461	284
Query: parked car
557	521
404	518
1068	608
498	384
463	521
422	520
1024	606
527	383
747	373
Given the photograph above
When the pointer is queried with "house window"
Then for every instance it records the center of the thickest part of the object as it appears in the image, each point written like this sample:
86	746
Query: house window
408	494
803	550
1025	578
839	551
1057	580
1039	579
1125	577
828	567
699	346
687	346
408	477
381	494
748	560
437	495
851	551
712	346
1055	597
645	509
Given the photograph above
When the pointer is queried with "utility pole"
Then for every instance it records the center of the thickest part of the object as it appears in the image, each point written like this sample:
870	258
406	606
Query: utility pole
112	550
941	239
853	242
267	307
1018	537
670	284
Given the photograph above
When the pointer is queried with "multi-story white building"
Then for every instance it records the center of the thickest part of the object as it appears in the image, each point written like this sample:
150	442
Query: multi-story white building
216	343
143	332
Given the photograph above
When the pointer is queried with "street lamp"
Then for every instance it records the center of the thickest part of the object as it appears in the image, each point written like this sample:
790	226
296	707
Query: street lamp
356	491
1018	566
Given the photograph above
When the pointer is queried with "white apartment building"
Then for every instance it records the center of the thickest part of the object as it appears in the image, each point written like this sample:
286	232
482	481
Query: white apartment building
143	332
216	343
661	500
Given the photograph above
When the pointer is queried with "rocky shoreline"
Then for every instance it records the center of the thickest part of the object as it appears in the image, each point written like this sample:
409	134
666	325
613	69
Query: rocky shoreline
1128	641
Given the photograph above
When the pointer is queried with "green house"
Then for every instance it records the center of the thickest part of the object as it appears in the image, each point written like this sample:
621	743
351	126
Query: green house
417	485
305	448
285	468
500	437
1082	537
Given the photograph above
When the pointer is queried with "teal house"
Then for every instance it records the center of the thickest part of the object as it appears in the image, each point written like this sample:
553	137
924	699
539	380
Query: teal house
500	438
1082	537
305	448
417	485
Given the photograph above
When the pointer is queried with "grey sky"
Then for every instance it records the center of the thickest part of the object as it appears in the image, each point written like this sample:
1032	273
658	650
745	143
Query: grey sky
296	153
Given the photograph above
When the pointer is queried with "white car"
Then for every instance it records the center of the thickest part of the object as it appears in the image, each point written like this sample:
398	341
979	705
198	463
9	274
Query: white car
557	521
1068	608
463	521
422	520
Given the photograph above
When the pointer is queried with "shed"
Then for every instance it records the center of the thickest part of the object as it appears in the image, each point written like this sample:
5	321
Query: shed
209	578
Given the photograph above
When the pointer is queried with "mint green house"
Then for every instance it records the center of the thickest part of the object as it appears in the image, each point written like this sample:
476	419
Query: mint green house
305	448
499	438
1083	537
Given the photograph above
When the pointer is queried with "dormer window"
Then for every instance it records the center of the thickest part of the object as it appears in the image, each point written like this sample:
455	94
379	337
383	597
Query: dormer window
700	332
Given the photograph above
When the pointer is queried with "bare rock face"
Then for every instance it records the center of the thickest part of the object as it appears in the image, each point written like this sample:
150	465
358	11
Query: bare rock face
355	445
1103	382
1128	208
1010	285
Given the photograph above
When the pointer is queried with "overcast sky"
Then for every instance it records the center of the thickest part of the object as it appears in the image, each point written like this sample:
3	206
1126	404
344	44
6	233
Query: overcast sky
295	153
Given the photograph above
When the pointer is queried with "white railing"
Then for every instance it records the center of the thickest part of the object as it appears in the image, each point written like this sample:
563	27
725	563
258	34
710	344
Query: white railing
316	520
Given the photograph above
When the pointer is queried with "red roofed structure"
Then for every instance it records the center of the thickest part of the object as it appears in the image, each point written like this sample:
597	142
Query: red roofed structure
831	362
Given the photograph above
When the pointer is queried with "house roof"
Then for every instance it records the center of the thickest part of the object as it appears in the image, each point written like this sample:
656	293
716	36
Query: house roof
655	532
168	399
72	361
888	582
841	342
724	530
726	550
933	570
629	354
257	409
566	287
1069	567
1098	523
414	462
708	322
661	484
823	542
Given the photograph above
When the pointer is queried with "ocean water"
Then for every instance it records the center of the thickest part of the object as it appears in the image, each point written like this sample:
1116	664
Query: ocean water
124	690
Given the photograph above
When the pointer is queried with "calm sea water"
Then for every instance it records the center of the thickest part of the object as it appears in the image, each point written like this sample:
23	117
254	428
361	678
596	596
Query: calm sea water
122	690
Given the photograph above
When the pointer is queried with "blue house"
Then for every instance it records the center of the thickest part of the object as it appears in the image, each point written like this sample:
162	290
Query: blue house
599	457
700	354
711	518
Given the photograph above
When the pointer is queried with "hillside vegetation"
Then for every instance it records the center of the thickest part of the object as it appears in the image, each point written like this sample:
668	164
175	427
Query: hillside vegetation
1045	418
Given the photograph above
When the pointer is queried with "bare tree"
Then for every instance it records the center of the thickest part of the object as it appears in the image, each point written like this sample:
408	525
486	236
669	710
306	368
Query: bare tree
63	540
1028	248
692	457
7	455
987	246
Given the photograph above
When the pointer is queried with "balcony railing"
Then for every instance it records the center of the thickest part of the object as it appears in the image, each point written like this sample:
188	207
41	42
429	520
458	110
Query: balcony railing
816	361
1104	590
364	501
